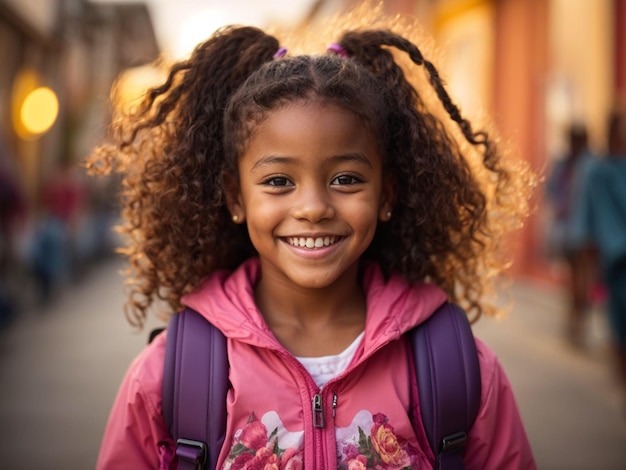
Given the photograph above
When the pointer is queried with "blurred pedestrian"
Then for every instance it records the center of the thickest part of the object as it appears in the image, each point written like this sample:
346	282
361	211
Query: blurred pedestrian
562	190
601	225
12	213
54	251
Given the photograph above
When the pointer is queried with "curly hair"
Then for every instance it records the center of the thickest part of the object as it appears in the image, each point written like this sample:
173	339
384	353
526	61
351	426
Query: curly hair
177	149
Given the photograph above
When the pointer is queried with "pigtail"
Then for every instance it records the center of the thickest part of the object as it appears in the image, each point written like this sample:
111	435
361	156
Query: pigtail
170	152
453	252
366	47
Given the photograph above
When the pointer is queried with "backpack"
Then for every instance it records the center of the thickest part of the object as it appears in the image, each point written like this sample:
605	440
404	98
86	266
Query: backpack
196	364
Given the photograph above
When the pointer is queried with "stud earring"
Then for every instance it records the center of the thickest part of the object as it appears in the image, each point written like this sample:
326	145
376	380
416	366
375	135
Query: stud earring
388	214
235	218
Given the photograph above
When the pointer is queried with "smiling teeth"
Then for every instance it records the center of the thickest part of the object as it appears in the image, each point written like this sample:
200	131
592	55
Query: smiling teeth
310	242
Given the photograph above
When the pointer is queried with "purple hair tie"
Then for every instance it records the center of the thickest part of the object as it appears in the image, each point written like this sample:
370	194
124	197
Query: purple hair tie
280	53
337	49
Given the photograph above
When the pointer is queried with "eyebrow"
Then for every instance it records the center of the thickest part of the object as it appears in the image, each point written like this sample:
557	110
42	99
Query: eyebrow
271	159
354	157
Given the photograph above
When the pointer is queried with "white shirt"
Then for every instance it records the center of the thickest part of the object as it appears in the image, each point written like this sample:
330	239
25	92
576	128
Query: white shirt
324	368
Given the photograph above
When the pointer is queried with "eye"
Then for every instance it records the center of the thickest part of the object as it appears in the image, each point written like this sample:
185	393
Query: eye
344	180
279	181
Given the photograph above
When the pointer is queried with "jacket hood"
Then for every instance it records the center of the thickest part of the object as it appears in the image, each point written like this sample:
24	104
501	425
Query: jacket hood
394	306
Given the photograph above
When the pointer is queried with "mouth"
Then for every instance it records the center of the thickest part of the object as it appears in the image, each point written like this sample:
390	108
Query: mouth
312	242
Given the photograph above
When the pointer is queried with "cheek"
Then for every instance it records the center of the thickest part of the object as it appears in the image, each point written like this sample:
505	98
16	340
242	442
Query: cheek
262	215
364	215
259	207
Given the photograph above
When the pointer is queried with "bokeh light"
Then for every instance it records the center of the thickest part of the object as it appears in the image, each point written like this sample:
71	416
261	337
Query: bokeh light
39	110
34	107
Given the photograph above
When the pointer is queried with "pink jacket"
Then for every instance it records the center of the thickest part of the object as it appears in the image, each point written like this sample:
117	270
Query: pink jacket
370	412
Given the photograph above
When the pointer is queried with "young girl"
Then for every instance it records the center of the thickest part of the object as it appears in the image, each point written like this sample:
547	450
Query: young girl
314	209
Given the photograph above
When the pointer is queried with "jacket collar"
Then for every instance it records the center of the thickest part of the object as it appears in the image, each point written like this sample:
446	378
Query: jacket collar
394	306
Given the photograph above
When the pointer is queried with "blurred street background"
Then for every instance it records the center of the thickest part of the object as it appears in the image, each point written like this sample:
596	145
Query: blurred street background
544	72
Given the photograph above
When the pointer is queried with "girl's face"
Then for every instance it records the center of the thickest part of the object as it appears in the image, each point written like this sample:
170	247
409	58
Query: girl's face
311	192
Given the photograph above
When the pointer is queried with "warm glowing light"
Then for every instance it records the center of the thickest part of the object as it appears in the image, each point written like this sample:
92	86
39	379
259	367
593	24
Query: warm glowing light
132	84
39	110
198	27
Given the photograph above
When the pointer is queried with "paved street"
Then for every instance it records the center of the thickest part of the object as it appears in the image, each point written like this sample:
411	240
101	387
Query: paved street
60	368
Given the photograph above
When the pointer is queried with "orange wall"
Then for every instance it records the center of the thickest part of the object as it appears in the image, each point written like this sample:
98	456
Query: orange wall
520	66
619	7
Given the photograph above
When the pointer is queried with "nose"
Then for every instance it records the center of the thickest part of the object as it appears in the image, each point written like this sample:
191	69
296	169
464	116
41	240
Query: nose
313	203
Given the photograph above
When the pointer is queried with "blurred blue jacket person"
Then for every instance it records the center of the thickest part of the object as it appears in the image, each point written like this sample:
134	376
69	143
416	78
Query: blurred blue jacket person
601	223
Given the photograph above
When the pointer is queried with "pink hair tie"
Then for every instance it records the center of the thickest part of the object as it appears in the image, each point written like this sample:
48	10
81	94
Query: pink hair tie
337	49
280	53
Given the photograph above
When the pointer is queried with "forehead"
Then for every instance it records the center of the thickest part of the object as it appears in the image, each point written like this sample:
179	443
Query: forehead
312	128
320	117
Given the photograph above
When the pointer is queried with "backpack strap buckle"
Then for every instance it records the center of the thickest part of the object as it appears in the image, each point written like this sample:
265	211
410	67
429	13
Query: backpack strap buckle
192	451
453	442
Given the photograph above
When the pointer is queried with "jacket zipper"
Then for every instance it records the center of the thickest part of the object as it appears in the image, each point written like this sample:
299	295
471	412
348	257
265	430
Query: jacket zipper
317	404
317	408
319	422
318	429
318	411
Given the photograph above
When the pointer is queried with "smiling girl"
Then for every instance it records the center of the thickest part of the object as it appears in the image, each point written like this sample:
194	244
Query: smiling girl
314	210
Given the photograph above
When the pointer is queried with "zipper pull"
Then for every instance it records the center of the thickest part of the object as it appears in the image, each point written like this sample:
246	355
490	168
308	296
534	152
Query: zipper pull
318	411
334	403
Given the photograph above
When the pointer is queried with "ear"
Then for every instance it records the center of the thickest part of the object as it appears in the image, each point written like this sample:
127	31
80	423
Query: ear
233	199
387	199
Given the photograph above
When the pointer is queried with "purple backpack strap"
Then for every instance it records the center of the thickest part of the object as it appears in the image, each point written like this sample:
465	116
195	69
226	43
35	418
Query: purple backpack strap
448	382
196	364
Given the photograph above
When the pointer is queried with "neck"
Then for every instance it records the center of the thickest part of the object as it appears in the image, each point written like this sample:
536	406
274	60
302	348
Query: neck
313	322
341	302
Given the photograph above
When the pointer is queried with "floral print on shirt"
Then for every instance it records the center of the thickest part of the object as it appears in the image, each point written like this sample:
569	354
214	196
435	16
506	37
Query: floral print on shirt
266	444
369	443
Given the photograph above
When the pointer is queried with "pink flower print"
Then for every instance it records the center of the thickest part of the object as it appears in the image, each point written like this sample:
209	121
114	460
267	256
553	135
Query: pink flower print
358	463
350	451
255	449
254	435
292	459
265	459
372	444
